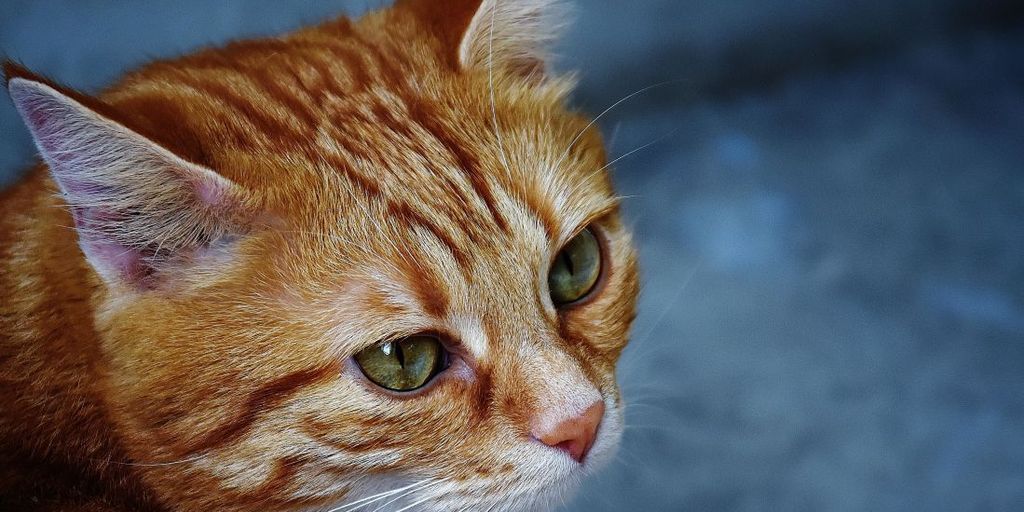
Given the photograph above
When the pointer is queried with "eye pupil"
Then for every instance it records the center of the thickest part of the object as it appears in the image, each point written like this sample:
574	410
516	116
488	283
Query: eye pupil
568	262
400	355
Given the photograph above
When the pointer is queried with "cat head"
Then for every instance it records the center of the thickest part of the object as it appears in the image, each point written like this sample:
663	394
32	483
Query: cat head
377	260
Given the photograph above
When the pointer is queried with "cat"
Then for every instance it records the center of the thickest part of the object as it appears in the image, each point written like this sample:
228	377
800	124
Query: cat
369	265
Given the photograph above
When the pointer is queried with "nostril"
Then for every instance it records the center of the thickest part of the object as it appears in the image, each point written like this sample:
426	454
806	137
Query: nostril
575	448
575	435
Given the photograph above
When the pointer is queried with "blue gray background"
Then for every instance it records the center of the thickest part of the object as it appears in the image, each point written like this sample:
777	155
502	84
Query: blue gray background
831	219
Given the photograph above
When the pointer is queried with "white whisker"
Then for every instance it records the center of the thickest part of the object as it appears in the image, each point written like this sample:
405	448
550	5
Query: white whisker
376	497
590	176
637	150
614	137
604	113
404	494
415	503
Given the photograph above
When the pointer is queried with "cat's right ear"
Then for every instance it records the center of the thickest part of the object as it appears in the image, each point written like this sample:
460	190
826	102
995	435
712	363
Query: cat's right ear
508	35
140	211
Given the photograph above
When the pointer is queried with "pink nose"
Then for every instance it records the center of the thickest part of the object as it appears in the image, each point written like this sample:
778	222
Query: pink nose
574	435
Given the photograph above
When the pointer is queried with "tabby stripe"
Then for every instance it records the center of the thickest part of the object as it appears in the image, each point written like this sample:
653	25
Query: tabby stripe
411	217
542	210
382	62
483	396
269	80
353	63
424	115
429	292
369	187
258	118
174	135
319	432
274	491
261	401
254	54
453	211
272	92
284	471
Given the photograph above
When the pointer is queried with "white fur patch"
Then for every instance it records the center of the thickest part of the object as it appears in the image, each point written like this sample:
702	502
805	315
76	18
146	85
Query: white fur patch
474	338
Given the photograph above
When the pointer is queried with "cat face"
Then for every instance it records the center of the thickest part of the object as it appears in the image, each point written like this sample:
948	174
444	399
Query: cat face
376	261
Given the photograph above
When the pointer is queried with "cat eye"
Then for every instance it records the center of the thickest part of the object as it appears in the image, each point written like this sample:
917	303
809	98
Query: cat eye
576	270
404	365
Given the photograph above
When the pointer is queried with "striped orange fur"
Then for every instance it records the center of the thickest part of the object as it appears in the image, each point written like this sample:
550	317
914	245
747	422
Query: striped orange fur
186	276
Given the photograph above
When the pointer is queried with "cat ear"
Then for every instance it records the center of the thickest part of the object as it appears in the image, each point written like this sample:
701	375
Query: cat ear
512	34
139	209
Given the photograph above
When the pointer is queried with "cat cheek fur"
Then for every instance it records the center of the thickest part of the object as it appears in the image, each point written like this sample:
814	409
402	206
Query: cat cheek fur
272	208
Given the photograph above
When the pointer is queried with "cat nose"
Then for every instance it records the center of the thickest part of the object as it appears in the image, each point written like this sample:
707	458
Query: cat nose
574	435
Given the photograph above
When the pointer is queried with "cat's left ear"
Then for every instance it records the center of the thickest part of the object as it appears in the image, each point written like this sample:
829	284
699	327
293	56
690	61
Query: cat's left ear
143	214
510	35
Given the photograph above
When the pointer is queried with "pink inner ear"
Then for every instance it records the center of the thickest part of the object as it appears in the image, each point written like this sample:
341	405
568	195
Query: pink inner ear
119	262
136	206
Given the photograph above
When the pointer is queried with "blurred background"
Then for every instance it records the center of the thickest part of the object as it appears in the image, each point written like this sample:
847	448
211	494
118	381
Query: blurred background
829	203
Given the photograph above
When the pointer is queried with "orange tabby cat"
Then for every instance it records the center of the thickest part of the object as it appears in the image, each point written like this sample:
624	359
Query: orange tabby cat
368	265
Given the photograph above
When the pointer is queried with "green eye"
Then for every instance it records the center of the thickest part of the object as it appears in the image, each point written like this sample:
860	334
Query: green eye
576	269
405	365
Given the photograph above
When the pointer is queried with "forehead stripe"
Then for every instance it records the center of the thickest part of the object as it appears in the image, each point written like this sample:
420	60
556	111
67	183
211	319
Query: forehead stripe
409	216
428	290
425	115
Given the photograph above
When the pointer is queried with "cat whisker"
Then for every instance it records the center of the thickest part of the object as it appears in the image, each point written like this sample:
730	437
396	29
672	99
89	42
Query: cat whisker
635	354
368	499
657	428
631	464
150	464
631	196
406	493
637	150
635	405
362	502
606	112
416	503
641	395
628	154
